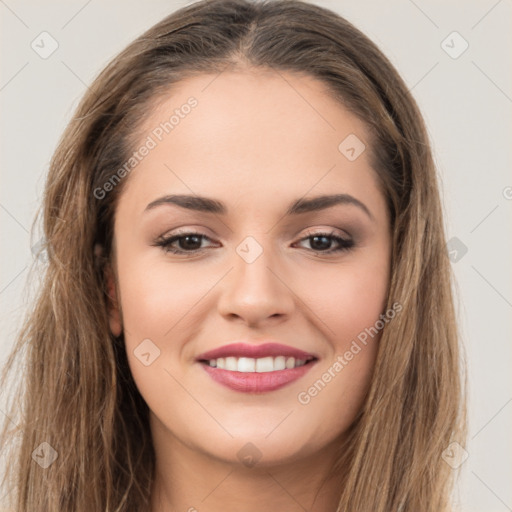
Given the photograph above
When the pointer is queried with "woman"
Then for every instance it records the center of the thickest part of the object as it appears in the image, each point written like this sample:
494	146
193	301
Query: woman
247	301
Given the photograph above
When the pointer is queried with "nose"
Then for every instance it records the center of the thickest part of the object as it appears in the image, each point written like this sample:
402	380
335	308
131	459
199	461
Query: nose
256	293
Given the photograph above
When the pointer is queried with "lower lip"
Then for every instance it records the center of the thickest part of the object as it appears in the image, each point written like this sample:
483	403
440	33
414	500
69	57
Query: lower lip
254	382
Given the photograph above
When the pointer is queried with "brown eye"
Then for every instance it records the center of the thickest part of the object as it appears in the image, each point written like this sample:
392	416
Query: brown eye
182	243
322	242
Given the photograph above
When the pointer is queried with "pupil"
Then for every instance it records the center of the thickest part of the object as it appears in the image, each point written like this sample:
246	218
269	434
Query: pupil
325	245
186	239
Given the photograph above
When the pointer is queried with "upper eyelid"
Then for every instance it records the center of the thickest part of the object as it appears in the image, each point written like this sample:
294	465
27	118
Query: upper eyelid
330	232
310	232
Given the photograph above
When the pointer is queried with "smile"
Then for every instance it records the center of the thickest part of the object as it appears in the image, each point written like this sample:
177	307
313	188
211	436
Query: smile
260	375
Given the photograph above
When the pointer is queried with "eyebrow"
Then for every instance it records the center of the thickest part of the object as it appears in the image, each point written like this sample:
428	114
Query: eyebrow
209	205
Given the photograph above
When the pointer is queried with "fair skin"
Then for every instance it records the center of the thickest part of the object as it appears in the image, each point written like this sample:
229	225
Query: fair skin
257	141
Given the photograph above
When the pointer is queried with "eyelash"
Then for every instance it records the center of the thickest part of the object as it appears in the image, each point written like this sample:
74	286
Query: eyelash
165	243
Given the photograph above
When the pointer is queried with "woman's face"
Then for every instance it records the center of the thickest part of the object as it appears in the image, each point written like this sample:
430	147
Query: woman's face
254	143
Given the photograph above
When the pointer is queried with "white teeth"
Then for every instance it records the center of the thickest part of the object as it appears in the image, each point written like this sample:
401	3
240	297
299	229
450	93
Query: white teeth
279	363
261	365
231	364
246	364
265	364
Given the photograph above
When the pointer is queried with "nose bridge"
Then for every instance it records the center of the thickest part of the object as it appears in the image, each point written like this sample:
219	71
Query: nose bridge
252	276
252	290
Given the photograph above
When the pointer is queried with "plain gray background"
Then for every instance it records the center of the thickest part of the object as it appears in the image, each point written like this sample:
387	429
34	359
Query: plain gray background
466	102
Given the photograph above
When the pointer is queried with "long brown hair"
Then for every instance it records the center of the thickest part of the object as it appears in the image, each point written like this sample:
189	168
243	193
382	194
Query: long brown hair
76	392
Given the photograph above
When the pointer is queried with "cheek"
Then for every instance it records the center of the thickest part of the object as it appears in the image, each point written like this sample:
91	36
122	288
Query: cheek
348	301
337	389
350	298
156	307
155	295
161	303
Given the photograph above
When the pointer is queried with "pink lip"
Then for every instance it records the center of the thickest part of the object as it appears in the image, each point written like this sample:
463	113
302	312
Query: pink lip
252	382
255	351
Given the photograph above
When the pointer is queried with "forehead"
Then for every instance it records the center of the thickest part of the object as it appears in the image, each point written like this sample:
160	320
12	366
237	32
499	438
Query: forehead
250	133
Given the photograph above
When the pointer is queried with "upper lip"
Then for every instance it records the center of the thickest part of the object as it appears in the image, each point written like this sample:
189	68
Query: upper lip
255	351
